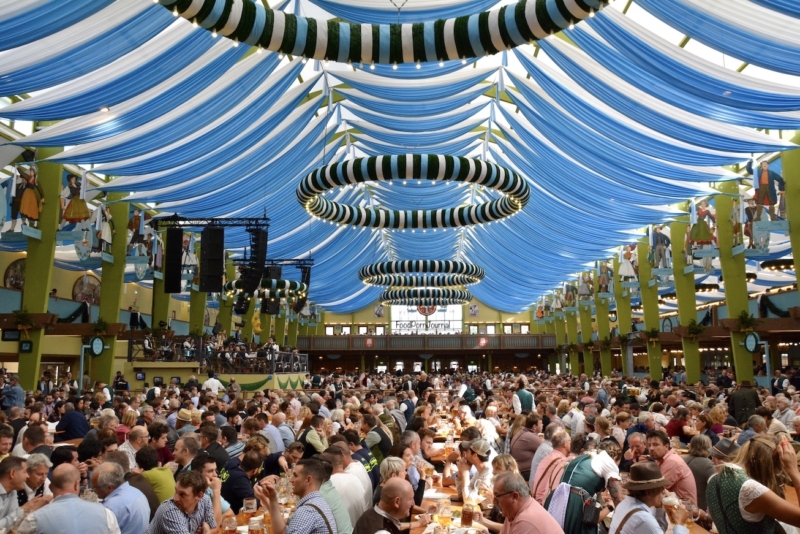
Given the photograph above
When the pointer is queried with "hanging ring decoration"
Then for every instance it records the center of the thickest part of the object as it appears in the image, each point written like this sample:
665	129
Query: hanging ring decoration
433	167
425	296
416	267
399	280
468	36
279	294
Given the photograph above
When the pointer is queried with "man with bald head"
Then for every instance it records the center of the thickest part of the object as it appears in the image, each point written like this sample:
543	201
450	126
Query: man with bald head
68	513
128	504
138	438
397	499
286	432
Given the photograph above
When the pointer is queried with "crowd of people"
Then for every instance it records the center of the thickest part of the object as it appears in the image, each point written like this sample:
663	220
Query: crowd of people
532	452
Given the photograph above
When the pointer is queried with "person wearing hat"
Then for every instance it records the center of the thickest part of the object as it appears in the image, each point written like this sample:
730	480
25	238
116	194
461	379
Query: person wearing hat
476	455
724	451
645	491
14	394
183	423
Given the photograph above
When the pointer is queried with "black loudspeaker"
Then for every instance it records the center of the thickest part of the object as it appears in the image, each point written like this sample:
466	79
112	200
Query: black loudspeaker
305	277
253	271
212	259
173	260
271	306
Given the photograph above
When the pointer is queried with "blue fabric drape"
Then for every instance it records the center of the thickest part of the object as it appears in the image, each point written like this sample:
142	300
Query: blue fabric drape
652	118
421	108
423	92
147	111
187	123
626	135
787	7
720	35
419	124
137	81
643	80
616	29
409	71
46	19
123	39
407	14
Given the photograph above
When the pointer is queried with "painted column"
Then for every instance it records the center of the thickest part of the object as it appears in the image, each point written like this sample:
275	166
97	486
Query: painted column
293	333
622	298
572	337
320	326
790	161
303	330
39	264
585	311
112	287
280	329
648	289
734	274
266	326
247	319
363	363
687	305
226	306
601	304
561	339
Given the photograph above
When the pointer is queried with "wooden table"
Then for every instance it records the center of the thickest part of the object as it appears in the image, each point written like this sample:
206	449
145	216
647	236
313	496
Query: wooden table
451	491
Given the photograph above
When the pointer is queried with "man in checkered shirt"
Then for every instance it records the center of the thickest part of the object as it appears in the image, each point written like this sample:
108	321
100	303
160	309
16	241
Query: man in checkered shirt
312	515
189	512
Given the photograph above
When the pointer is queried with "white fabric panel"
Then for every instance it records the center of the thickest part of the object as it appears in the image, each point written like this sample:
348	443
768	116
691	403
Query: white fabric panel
575	10
649	101
255	148
559	77
169	37
366	43
494	30
280	104
193	9
322	39
533	21
9	153
447	79
365	96
78	123
215	90
407	42
353	106
233	19
70	38
415	5
449	39
278	27
692	60
17	7
751	17
430	148
473	122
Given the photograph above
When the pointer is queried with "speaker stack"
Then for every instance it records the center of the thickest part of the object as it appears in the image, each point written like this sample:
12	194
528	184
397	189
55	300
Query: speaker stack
272	306
212	259
254	269
173	261
305	277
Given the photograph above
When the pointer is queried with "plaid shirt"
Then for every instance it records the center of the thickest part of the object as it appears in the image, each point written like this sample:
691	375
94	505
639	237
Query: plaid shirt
169	519
307	520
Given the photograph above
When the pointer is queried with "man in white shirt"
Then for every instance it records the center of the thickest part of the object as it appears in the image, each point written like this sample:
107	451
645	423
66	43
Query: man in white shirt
345	484
784	413
354	467
213	384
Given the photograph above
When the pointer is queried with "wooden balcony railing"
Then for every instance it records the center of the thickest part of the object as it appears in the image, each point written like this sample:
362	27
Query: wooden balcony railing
476	342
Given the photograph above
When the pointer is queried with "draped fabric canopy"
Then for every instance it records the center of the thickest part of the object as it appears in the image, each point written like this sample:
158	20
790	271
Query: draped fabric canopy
611	131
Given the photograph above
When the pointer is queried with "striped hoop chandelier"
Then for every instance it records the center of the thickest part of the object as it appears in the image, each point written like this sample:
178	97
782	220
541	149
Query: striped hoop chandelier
513	187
